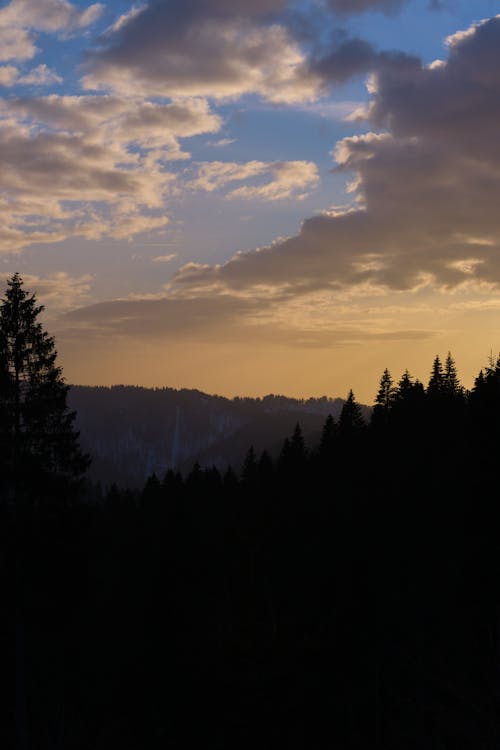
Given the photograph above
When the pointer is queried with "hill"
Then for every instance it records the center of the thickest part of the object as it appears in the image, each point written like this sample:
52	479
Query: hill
132	432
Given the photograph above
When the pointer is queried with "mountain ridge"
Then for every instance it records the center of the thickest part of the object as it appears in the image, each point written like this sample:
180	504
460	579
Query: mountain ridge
134	431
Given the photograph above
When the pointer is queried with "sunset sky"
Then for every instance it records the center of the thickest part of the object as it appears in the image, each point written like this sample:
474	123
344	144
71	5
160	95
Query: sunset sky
254	196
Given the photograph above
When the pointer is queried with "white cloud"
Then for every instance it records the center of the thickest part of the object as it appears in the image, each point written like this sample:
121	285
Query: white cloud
19	19
125	18
288	179
42	75
8	75
48	15
89	166
15	44
164	258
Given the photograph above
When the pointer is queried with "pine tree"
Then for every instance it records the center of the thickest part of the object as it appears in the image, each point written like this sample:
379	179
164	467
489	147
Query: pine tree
404	387
249	470
38	443
327	441
451	384
351	418
436	380
384	400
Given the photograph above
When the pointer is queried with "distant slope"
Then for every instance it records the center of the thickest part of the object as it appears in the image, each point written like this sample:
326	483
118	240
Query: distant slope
132	432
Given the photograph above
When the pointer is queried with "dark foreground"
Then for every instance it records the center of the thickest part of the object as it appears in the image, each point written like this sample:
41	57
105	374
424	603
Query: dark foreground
343	598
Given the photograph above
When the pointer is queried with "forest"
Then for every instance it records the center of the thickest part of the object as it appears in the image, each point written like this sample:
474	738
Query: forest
345	594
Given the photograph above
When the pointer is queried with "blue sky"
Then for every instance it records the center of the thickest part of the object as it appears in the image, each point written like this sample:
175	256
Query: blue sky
145	147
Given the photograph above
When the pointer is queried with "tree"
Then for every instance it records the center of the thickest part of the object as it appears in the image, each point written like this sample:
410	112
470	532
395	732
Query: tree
39	446
384	400
451	384
249	470
436	380
351	418
327	441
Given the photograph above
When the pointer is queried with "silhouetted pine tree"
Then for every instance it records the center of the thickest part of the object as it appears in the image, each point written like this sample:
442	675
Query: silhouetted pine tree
384	400
39	444
351	418
451	384
436	381
249	470
327	441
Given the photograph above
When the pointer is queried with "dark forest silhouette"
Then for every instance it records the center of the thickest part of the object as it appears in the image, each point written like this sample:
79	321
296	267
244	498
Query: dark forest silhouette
345	595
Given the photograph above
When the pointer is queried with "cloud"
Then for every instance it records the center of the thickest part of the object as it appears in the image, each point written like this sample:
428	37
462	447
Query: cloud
89	166
351	7
212	318
8	75
354	56
289	179
198	48
48	15
426	188
15	44
423	221
222	142
20	18
59	292
40	76
164	258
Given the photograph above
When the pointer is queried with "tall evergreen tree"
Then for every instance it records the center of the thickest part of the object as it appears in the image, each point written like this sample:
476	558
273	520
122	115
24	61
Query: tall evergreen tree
436	380
351	418
38	443
451	384
250	469
384	400
327	441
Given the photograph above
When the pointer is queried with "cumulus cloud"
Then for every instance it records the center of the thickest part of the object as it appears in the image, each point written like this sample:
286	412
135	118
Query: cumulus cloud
15	44
354	56
20	18
426	188
89	166
8	75
197	48
288	179
48	15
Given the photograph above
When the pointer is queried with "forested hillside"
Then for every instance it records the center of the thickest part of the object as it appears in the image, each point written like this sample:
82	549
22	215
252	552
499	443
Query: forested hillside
345	595
133	432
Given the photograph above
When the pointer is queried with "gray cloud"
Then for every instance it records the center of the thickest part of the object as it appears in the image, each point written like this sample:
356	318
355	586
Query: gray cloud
427	190
212	318
353	56
351	7
201	48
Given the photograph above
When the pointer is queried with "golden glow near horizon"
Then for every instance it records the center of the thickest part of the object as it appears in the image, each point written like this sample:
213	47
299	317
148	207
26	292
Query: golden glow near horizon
253	211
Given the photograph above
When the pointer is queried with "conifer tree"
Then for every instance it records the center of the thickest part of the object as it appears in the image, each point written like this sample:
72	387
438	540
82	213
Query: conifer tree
451	384
351	418
404	387
384	400
265	469
297	445
38	442
327	441
436	380
249	470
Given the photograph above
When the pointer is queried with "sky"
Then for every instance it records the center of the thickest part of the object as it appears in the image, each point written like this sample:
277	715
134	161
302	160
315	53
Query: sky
254	196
